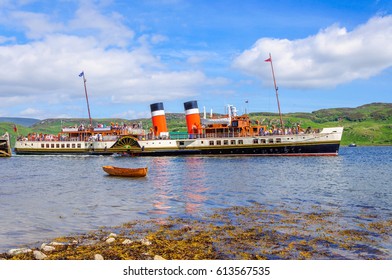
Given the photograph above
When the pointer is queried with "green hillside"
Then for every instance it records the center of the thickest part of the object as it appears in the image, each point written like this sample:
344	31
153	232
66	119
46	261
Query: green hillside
369	124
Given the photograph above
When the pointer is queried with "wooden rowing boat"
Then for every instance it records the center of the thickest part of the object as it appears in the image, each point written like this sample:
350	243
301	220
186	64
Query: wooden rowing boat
125	172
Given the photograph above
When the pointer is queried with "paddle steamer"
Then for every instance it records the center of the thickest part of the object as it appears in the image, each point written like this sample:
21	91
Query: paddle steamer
232	134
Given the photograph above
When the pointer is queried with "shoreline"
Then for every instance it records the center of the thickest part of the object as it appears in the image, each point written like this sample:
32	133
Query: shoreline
256	232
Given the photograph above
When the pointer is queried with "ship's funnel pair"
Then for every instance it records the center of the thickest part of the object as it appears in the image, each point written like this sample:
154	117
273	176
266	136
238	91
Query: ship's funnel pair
159	119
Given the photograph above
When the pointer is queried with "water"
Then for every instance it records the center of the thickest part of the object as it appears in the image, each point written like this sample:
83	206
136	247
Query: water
42	197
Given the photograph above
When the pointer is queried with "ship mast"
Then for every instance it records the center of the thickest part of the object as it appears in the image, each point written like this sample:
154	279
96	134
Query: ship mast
85	91
276	88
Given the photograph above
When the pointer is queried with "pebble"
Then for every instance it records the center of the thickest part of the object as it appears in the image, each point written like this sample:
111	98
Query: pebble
127	242
14	252
47	248
145	242
110	240
38	255
98	257
54	243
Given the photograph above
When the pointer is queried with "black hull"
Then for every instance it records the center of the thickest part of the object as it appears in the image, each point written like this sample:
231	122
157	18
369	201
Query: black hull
299	150
324	149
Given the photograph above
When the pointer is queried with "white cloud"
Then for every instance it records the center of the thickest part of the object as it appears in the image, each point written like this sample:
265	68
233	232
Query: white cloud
4	39
37	25
333	56
108	29
157	38
31	112
45	70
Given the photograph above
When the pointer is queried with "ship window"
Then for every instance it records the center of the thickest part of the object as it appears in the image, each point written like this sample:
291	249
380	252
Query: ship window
232	142
255	141
52	145
42	145
182	143
62	145
240	142
57	145
219	142
68	145
270	140
79	145
211	143
47	145
262	141
225	142
278	140
73	145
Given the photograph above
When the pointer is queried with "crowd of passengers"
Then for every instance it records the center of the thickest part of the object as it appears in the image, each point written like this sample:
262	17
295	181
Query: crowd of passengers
61	137
115	126
287	131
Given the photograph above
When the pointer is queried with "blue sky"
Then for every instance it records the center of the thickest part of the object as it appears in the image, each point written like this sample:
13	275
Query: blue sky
326	54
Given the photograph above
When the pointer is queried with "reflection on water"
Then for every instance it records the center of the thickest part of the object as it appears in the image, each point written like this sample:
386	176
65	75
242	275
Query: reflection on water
46	196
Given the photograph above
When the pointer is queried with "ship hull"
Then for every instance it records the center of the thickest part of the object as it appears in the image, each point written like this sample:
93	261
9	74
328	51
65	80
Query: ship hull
330	149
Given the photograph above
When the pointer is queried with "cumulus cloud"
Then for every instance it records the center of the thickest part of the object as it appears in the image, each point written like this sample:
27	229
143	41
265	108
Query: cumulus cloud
45	68
332	57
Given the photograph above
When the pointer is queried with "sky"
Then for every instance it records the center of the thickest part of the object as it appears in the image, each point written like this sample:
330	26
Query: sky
325	54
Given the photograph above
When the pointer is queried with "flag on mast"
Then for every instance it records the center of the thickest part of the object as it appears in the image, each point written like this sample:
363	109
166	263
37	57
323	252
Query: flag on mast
85	91
268	60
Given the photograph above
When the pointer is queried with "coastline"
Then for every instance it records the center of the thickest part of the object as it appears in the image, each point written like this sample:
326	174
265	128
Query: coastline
248	233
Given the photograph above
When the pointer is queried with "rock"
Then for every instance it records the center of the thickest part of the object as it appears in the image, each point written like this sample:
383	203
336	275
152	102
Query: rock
127	242
47	248
98	257
110	240
38	255
159	258
145	241
14	252
54	243
186	228
112	235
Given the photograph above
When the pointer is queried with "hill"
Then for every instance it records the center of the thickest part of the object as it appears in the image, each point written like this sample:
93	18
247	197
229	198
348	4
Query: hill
370	124
20	121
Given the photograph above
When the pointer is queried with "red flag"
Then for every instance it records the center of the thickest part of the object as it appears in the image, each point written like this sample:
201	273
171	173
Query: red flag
268	60
15	128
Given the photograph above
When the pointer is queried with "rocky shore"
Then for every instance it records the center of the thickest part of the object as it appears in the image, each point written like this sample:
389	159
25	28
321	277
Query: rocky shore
255	232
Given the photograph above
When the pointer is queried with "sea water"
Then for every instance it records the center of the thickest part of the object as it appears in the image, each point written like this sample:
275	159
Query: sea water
42	197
